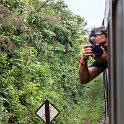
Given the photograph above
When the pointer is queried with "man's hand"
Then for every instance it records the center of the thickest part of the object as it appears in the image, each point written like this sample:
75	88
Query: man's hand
86	52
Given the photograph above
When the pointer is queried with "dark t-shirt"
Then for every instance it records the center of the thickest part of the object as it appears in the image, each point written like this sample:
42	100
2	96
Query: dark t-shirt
97	64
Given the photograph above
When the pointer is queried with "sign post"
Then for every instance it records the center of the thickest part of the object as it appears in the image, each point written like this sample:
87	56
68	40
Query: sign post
47	112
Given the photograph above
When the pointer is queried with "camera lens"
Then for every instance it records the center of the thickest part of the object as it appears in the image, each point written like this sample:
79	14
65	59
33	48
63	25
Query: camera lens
97	51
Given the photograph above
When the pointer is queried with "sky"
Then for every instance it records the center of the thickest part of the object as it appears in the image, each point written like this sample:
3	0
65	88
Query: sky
91	10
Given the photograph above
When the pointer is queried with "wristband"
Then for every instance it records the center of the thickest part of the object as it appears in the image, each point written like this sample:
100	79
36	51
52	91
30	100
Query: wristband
82	62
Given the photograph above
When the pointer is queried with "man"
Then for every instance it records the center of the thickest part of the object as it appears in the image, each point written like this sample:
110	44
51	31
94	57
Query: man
97	36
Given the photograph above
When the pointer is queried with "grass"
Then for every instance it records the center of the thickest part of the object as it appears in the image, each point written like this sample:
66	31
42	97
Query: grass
92	108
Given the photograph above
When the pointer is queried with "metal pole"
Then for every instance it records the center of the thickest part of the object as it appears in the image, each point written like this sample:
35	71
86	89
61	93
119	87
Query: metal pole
47	112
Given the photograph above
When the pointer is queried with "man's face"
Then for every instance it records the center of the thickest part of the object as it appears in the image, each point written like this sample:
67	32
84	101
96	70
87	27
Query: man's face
101	39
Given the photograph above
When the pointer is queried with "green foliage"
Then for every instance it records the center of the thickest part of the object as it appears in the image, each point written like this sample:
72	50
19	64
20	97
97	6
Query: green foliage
39	57
92	110
62	34
13	5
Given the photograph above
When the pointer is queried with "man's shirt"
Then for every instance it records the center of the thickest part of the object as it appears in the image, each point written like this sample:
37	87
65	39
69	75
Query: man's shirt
97	64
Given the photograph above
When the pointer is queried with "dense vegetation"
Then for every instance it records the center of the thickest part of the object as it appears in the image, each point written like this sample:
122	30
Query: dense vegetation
40	46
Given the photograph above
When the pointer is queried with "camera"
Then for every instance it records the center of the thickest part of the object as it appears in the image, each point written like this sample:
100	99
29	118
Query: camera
96	49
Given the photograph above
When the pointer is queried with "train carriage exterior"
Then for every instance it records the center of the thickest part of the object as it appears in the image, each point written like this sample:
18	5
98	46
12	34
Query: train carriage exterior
114	75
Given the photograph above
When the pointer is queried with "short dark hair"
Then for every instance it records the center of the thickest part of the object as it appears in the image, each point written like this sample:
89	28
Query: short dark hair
97	31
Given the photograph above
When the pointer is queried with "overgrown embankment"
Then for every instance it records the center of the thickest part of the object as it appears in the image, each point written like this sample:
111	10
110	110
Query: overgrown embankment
39	57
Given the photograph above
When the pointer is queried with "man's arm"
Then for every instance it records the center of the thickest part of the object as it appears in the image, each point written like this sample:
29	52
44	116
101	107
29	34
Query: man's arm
87	74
